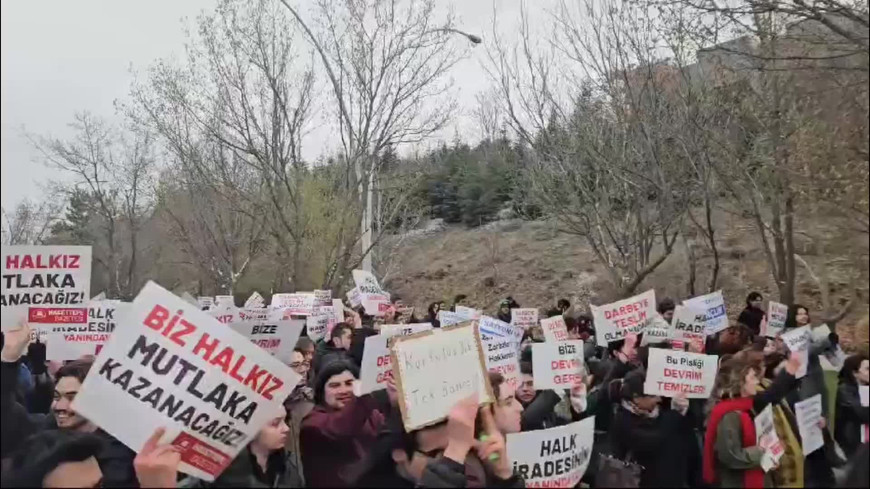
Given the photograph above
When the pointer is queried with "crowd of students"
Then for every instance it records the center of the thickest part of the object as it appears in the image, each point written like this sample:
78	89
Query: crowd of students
330	437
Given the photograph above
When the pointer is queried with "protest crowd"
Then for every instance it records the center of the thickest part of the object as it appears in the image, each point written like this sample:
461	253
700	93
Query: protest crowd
315	391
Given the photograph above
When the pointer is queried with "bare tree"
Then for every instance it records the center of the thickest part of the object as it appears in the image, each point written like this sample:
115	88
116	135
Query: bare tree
30	222
116	170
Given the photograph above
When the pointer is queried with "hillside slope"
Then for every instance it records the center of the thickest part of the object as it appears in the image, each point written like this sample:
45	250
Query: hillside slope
536	264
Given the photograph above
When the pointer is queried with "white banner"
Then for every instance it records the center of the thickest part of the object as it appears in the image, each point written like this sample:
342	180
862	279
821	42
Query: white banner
554	329
616	320
44	277
524	318
434	371
173	366
798	341
557	365
298	304
555	457
322	298
672	372
714	305
808	413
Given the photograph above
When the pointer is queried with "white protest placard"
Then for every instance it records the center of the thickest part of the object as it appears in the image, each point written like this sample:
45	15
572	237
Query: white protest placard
449	318
808	413
864	394
372	296
205	302
255	301
671	372
224	314
354	298
616	320
714	305
555	457
376	368
297	304
171	365
72	341
261	314
501	348
688	324
46	277
765	433
777	314
657	331
276	336
554	329
524	318
322	298
435	371
316	326
557	365
468	312
798	341
224	301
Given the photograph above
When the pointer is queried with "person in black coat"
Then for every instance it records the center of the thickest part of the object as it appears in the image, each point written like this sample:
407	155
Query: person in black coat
850	413
753	315
653	438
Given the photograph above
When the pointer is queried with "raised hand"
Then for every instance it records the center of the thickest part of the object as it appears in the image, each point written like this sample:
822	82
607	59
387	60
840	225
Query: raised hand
157	465
492	449
460	429
15	342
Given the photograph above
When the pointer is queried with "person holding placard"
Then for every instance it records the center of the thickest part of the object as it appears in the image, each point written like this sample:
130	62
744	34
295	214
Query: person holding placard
852	415
336	433
643	433
731	455
753	314
790	472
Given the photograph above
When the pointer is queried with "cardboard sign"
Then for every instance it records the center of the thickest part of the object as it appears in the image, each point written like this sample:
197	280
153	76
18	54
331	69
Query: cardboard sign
376	369
714	305
435	371
557	365
255	301
671	372
777	314
468	312
808	413
276	336
524	318
47	277
765	433
798	341
72	341
555	329
449	318
172	365
205	303
616	320
555	457
864	394
688	324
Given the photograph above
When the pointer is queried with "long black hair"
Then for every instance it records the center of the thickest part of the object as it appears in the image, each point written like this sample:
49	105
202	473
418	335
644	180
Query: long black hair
791	318
850	366
328	371
752	297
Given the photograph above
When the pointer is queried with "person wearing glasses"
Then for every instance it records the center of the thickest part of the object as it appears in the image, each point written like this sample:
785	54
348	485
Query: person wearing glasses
298	404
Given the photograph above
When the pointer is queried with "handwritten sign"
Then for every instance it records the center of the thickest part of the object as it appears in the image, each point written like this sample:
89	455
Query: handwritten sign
435	371
554	329
524	318
46	277
808	413
174	366
777	314
557	365
377	369
298	304
255	301
616	320
672	372
555	457
449	318
798	341
714	305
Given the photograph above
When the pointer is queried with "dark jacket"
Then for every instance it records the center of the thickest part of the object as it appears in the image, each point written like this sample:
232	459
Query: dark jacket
298	405
326	354
849	417
540	413
752	318
357	347
334	442
244	471
443	473
643	441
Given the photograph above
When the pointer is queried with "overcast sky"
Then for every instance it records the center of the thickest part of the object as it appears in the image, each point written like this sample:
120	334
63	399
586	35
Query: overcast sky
61	56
